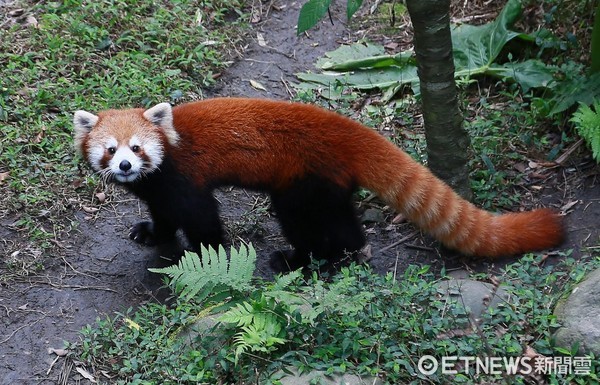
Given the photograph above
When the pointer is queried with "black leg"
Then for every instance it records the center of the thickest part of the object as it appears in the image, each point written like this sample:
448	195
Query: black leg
160	230
152	233
176	202
201	224
319	221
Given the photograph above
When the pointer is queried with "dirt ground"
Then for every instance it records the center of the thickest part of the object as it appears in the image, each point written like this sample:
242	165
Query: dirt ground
98	271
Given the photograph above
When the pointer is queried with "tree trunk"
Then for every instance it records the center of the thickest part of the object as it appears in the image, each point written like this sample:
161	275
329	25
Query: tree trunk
447	141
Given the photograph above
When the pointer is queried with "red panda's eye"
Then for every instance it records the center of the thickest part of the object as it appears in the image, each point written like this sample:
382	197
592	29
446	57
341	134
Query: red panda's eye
112	150
135	148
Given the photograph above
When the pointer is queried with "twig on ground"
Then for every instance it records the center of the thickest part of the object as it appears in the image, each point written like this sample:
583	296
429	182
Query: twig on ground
399	241
20	328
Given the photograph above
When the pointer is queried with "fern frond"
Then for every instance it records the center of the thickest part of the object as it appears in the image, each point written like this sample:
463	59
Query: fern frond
213	273
241	315
261	336
261	324
587	123
282	282
243	263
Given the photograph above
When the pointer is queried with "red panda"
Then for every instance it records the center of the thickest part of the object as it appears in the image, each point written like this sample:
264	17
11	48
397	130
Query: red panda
308	159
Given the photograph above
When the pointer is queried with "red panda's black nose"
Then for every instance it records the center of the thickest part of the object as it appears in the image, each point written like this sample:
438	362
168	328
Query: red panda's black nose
125	165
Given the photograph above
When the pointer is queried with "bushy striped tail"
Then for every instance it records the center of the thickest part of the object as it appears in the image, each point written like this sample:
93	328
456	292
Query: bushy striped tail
434	207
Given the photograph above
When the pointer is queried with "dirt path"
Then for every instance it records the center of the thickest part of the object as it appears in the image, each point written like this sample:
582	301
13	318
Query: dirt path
99	271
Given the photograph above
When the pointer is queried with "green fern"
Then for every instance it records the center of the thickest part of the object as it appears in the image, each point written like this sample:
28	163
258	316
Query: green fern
283	282
282	290
258	339
587	123
214	274
261	324
334	297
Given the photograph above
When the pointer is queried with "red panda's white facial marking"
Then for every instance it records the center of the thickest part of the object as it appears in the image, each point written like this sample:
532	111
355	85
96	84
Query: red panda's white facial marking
126	165
126	159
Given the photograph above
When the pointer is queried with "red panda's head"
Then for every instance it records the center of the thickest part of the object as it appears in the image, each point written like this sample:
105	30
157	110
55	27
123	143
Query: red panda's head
125	144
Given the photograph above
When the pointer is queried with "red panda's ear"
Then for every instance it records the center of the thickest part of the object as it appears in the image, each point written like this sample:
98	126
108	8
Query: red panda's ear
162	115
83	122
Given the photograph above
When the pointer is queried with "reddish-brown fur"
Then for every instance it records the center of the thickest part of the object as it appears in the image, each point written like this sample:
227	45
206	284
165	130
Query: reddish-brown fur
259	143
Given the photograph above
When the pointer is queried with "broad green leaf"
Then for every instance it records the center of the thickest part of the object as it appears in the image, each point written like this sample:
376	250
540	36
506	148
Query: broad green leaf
380	61
365	80
365	66
529	74
311	13
475	47
352	6
577	90
328	92
349	53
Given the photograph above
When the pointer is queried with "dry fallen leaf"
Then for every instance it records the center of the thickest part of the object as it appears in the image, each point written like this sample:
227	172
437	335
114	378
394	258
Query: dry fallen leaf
257	85
520	167
261	39
106	374
86	374
3	176
256	17
101	196
530	352
568	206
29	21
366	254
90	210
58	352
38	138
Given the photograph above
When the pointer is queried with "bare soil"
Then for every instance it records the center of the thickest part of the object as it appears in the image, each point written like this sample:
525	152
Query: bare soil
97	271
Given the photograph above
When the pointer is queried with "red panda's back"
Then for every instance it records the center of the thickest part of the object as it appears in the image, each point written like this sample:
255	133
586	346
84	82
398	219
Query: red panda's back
270	142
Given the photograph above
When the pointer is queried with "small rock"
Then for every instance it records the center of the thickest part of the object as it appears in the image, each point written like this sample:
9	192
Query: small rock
476	296
373	215
579	315
458	274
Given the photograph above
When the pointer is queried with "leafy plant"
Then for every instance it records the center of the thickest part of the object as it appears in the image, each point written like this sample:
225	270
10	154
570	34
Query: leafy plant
314	10
476	51
365	66
587	123
389	324
214	274
262	325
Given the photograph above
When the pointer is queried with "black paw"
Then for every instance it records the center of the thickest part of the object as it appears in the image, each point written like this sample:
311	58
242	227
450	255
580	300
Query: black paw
143	232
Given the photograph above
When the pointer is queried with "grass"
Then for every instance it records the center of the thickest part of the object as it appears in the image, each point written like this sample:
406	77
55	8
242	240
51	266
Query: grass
510	145
357	322
93	55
